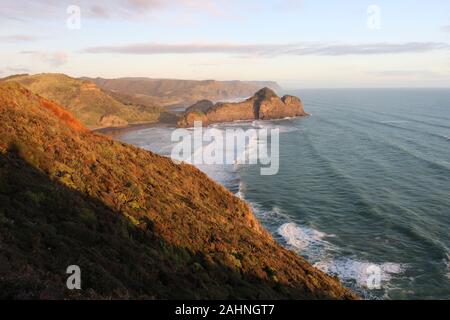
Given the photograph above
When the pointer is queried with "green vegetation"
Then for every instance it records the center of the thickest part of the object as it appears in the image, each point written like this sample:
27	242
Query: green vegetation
89	103
138	225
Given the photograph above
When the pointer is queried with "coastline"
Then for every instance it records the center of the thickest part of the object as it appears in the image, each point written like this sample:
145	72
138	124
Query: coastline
118	131
139	225
239	192
114	132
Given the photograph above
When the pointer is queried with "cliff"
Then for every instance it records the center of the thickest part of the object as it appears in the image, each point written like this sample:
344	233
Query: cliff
138	225
93	106
173	92
263	105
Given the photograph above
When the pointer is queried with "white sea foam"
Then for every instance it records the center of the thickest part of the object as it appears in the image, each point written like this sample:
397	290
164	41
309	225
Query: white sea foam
306	241
246	151
361	272
303	238
447	263
274	124
241	189
312	244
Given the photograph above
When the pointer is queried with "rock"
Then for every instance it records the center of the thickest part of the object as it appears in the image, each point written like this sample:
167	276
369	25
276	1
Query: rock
196	112
112	121
202	105
264	105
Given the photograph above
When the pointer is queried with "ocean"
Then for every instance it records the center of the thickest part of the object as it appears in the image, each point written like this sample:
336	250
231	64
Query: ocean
363	187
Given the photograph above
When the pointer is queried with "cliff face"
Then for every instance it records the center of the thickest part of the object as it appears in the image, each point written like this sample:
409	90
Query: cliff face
263	105
138	225
93	106
169	92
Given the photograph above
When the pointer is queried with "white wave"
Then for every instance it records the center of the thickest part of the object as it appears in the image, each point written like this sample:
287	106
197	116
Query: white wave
246	151
270	125
241	189
363	273
447	263
302	238
312	244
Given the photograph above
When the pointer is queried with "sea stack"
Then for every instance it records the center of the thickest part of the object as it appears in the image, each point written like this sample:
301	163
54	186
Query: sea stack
263	105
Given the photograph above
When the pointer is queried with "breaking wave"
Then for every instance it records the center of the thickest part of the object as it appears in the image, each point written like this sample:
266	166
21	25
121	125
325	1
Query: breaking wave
312	244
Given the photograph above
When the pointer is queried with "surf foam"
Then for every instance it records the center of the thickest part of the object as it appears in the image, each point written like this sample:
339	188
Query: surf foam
312	244
447	263
303	238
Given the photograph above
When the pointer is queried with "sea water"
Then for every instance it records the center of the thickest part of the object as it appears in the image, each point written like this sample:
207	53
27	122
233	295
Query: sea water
364	182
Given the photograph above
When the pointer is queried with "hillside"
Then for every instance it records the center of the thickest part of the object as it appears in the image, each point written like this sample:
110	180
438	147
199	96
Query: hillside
93	106
171	92
263	105
138	225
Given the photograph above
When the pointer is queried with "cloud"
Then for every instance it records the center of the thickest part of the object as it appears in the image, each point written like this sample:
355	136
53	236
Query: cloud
102	9
97	11
127	9
145	4
122	8
271	49
446	29
17	38
53	59
370	49
159	48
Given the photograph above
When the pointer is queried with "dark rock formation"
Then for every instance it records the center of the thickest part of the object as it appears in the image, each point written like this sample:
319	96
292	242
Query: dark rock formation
264	105
112	120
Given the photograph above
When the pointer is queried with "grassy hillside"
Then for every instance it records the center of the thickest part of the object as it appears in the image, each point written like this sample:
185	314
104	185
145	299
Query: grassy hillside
93	106
168	92
138	225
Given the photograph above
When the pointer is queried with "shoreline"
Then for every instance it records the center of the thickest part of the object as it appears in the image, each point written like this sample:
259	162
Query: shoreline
290	226
115	134
118	131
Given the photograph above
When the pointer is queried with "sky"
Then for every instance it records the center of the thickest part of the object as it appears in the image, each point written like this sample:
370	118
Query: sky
298	43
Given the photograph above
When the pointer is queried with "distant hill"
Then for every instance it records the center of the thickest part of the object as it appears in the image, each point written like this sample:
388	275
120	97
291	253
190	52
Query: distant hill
171	92
138	225
92	105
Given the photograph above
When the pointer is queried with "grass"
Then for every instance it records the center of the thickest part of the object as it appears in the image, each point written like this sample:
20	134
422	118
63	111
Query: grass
138	225
87	102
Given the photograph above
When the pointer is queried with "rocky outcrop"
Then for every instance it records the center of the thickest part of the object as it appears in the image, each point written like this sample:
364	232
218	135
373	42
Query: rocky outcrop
111	120
263	105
